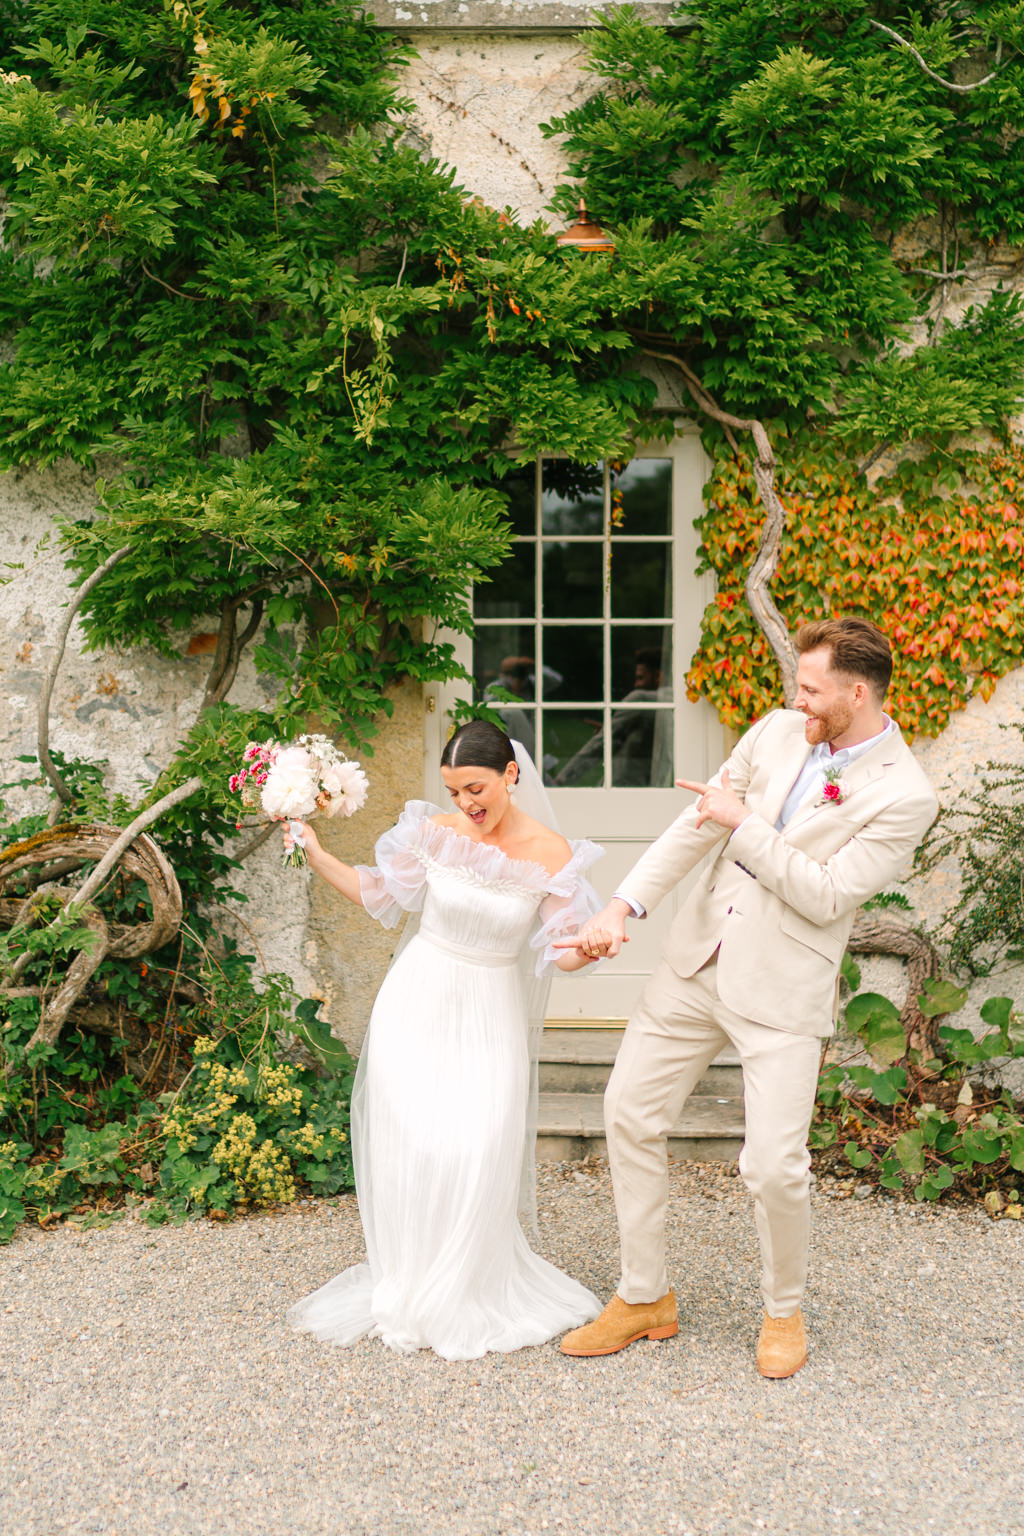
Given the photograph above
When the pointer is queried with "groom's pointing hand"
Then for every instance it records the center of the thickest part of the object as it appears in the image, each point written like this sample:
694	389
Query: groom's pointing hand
717	802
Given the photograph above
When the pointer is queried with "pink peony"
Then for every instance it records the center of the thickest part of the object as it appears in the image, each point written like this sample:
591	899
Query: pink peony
347	786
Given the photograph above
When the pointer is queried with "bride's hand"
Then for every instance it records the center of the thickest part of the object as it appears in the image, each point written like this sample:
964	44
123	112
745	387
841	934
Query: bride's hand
309	837
593	943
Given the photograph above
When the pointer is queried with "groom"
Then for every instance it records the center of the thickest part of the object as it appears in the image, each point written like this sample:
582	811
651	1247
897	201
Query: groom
817	809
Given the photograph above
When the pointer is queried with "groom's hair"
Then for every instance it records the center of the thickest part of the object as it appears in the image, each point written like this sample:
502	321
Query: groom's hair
857	648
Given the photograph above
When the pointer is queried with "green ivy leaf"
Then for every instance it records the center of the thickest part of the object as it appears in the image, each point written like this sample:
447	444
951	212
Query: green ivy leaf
940	996
876	1020
996	1012
909	1149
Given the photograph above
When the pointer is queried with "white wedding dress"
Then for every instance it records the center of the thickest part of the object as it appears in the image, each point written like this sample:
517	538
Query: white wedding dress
440	1109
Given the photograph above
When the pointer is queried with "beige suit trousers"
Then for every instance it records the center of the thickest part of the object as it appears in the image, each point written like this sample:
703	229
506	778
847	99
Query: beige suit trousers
675	1032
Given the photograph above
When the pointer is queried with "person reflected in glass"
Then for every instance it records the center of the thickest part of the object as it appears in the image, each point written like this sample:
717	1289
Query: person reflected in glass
517	676
641	739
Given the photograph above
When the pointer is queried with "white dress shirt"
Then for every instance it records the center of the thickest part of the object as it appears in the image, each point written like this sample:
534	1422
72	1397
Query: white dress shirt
810	780
821	759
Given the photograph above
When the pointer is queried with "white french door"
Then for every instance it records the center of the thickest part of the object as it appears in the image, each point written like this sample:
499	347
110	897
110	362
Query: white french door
582	643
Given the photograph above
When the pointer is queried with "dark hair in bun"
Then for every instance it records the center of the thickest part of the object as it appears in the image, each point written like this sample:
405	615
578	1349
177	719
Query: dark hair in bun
478	744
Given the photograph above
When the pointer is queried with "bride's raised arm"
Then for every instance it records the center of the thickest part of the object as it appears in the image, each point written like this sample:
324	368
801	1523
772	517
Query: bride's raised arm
343	877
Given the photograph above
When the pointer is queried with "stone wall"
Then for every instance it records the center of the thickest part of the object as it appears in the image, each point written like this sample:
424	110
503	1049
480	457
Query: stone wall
486	75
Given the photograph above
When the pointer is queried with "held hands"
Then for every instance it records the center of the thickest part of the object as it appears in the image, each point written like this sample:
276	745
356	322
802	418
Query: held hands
717	803
602	937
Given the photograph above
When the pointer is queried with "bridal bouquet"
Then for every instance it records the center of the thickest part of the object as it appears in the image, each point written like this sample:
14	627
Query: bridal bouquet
288	780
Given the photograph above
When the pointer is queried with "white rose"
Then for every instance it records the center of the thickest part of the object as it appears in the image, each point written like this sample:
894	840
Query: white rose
291	786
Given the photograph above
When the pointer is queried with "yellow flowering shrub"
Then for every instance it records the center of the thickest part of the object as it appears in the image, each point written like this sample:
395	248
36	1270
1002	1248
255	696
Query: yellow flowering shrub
255	1131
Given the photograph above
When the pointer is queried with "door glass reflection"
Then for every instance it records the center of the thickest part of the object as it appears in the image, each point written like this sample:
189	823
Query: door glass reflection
573	663
572	497
573	580
641	748
599	707
642	497
503	660
573	750
641	663
641	581
505	673
510	592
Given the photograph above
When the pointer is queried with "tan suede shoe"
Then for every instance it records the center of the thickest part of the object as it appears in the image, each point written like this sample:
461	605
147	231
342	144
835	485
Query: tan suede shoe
622	1323
782	1346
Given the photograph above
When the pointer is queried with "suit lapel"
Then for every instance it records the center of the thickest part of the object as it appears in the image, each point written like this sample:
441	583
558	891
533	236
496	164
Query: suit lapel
792	756
863	771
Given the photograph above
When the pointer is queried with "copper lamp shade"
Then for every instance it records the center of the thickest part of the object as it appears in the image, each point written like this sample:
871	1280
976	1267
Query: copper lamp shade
585	235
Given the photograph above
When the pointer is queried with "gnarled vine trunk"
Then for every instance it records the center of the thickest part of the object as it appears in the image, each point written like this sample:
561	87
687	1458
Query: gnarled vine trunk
880	933
65	848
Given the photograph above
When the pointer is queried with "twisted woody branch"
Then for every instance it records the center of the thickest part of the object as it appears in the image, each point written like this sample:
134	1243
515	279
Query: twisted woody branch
769	620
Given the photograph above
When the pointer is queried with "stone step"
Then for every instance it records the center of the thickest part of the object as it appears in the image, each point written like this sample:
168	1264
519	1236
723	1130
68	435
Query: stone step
581	1060
570	1126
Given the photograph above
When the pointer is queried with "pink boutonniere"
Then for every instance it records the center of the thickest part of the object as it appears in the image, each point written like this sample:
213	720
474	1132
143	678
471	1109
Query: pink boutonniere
833	791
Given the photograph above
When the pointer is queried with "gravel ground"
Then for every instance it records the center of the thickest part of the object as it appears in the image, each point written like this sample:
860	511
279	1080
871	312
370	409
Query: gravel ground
150	1387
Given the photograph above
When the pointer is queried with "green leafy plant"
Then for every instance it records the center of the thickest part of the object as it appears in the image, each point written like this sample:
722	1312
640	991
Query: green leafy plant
173	1086
984	832
926	1127
795	190
243	1128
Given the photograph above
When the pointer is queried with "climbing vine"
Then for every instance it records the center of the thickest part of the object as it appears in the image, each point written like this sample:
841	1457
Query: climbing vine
933	551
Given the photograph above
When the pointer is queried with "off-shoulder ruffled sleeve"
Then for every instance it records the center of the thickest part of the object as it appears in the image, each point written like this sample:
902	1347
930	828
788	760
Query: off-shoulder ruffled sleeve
396	883
569	901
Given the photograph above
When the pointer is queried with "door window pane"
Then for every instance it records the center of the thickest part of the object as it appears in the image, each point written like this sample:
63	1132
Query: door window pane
573	748
572	497
641	748
521	489
510	592
641	581
642	497
573	580
641	662
574	633
503	659
520	724
573	663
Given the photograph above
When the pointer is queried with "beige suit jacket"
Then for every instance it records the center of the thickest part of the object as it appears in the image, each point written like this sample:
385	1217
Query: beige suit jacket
778	906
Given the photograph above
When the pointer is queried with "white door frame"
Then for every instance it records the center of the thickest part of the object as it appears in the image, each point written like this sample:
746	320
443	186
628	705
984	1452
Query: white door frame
625	821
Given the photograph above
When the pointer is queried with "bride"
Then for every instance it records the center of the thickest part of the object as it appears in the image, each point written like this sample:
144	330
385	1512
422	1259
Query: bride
442	1136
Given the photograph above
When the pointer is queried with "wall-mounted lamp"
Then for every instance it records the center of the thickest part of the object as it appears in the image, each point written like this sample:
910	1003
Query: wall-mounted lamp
585	235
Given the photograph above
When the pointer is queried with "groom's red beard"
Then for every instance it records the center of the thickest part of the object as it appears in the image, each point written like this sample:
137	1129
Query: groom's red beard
828	725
